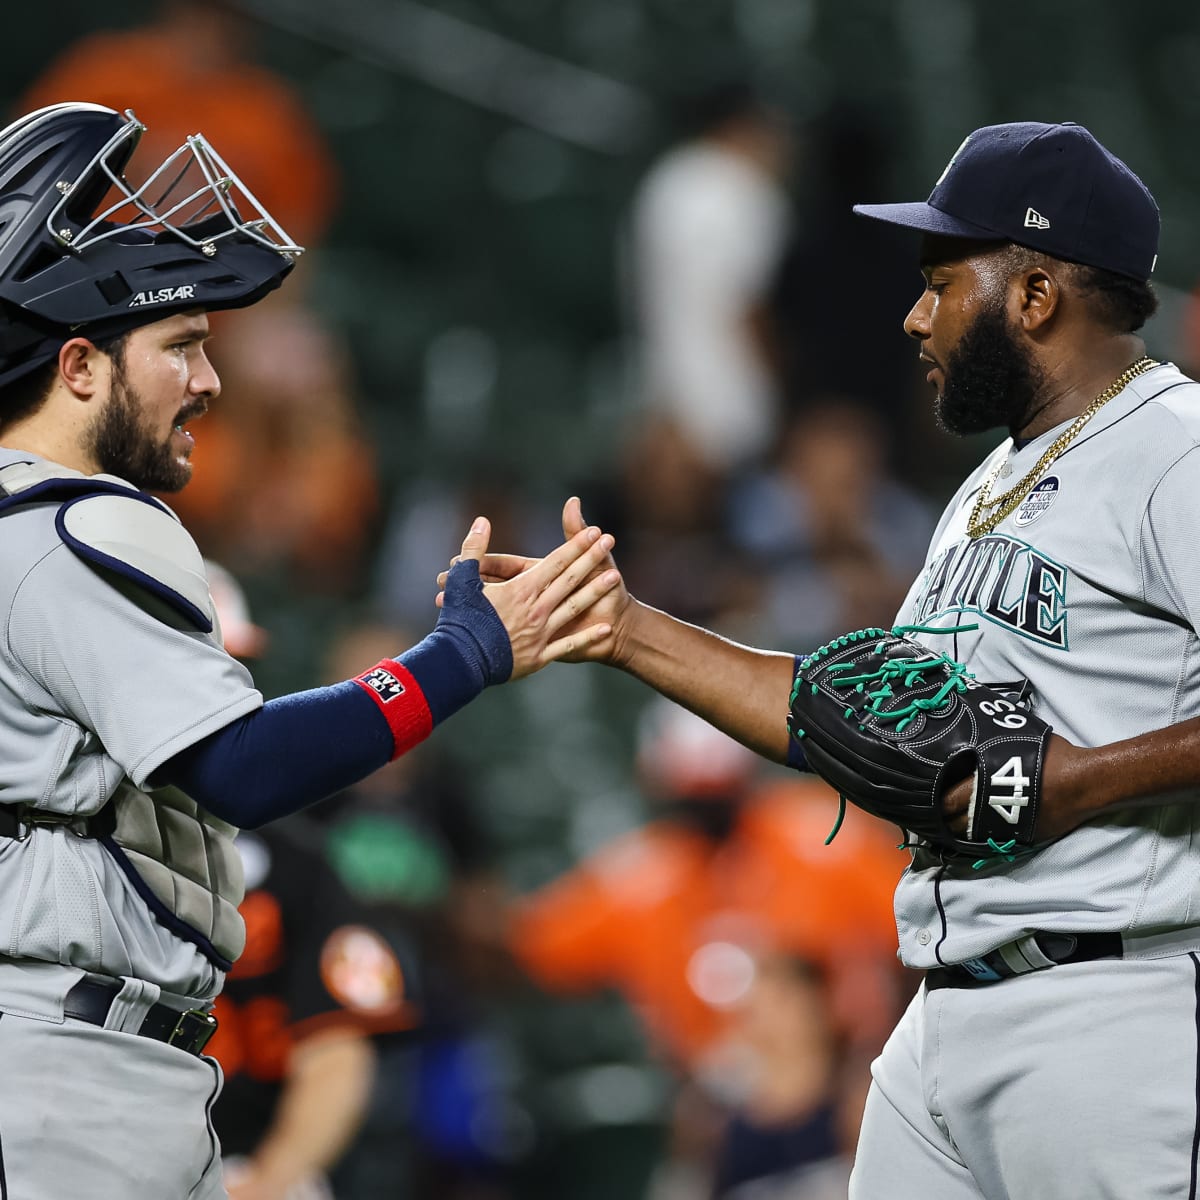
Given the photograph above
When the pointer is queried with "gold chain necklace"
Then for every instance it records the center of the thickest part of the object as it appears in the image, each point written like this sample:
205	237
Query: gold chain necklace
982	521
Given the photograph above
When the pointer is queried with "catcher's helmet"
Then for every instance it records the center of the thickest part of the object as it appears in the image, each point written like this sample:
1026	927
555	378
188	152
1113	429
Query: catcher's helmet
84	251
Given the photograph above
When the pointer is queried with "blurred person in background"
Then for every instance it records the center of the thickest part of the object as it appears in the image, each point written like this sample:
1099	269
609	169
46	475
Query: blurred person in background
665	505
191	67
413	538
295	1017
675	915
790	1133
819	282
295	1021
834	537
288	483
706	230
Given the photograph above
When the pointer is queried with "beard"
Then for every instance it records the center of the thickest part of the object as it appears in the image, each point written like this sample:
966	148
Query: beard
990	378
124	444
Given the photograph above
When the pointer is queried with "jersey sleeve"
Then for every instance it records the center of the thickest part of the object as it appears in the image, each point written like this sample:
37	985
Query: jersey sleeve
91	648
1170	567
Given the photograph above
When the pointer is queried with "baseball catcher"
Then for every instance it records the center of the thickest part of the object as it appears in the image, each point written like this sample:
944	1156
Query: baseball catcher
892	726
132	745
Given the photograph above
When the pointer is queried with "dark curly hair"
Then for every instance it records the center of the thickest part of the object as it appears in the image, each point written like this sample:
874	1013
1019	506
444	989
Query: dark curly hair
1119	303
24	396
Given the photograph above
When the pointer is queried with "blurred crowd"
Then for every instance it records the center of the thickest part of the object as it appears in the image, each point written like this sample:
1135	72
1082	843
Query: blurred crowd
498	969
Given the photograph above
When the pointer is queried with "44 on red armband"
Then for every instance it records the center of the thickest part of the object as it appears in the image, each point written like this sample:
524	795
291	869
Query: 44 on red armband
401	701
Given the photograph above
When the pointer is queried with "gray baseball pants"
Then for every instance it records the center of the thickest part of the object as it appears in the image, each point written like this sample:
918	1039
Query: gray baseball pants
1076	1081
98	1112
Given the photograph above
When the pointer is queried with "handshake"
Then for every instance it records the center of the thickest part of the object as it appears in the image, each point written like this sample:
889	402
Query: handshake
521	613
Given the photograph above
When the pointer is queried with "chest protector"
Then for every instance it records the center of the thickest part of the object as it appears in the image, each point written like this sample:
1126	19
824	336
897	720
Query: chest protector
180	859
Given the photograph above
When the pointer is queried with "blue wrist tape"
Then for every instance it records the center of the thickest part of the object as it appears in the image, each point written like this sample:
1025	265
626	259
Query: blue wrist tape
467	650
470	621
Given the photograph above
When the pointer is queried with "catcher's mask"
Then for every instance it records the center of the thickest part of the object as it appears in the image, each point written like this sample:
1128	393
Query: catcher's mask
85	252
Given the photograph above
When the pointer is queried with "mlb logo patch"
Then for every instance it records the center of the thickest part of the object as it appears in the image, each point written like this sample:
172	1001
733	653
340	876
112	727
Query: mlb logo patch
1038	501
381	681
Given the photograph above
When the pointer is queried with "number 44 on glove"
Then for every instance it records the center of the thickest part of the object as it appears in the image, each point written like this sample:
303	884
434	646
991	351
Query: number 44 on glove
893	726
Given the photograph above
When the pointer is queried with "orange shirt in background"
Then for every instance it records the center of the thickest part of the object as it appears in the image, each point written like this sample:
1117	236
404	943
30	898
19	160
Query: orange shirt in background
672	919
251	117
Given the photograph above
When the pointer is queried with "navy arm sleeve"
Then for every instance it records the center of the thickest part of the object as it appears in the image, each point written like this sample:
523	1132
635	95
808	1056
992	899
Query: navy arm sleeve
300	748
288	754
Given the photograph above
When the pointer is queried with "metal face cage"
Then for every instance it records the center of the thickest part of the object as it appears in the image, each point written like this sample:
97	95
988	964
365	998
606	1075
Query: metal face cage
193	193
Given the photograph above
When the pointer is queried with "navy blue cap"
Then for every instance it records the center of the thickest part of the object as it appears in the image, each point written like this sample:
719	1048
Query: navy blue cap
1051	187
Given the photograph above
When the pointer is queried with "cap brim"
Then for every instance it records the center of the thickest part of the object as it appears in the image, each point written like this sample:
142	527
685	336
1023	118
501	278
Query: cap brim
924	217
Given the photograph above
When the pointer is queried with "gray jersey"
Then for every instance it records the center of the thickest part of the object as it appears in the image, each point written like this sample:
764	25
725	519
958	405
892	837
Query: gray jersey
1091	590
96	692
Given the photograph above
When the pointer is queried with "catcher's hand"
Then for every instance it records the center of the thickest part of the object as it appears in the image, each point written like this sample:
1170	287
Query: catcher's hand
892	726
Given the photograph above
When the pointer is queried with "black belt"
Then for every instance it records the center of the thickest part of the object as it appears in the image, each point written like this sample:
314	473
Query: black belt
16	820
997	965
90	1000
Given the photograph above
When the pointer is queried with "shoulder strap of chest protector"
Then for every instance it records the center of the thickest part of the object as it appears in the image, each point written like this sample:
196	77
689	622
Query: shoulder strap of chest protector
110	524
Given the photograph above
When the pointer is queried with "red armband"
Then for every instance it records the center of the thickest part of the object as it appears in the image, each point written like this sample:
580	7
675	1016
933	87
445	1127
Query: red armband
401	701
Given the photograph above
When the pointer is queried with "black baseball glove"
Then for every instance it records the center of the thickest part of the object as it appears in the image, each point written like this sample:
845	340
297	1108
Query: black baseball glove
892	726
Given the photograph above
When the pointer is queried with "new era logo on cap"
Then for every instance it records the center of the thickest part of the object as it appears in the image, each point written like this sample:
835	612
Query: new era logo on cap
1035	220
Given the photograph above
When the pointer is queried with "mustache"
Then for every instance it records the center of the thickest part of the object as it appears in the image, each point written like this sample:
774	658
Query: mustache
190	412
